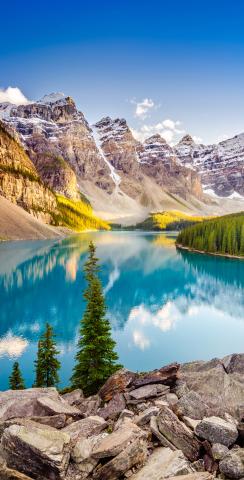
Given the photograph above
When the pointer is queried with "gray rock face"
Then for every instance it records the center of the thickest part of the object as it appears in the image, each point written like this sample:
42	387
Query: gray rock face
133	455
178	434
49	406
114	407
86	427
191	405
148	391
217	430
219	451
221	391
232	466
145	416
114	443
73	397
163	463
39	451
23	403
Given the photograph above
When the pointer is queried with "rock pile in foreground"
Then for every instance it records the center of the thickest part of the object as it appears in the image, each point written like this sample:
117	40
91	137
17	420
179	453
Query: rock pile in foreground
179	422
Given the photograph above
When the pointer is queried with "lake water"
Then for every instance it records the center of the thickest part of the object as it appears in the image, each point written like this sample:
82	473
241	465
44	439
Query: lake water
163	304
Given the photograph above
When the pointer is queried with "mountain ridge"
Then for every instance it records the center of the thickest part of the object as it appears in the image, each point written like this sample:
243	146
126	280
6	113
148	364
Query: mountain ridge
121	176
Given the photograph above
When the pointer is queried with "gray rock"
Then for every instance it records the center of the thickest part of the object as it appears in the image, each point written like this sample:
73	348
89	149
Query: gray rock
234	363
147	391
126	414
219	451
23	403
178	434
194	476
232	465
117	441
217	430
37	450
163	463
114	407
171	398
85	427
161	403
133	455
190	422
81	453
180	388
221	391
73	397
191	405
89	406
50	406
145	416
163	440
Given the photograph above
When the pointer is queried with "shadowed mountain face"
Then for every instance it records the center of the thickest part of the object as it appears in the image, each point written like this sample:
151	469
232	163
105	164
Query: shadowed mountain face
160	301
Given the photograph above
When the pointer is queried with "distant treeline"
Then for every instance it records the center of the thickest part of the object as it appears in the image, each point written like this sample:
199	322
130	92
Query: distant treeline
223	235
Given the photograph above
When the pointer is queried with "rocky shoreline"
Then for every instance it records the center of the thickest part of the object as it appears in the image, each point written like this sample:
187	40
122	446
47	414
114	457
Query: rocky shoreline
181	421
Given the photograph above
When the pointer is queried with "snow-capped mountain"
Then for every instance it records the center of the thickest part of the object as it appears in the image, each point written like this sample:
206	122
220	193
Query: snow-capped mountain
115	171
220	166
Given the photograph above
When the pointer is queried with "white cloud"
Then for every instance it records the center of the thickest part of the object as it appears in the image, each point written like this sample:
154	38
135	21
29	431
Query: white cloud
13	95
140	340
143	107
168	129
12	346
164	318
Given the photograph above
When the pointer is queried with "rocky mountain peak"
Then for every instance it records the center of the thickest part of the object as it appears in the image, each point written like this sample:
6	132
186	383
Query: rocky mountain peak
186	140
53	98
155	139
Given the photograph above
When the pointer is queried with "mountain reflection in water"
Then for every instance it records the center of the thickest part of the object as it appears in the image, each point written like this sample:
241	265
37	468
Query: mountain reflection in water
164	304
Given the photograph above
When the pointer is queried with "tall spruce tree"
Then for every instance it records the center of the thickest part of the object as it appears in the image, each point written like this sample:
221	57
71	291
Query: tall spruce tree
47	365
16	381
96	359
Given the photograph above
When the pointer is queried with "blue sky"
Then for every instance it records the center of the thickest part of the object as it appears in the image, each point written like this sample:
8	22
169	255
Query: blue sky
150	62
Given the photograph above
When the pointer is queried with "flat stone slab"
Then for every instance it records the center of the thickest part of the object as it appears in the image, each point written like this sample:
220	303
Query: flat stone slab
37	450
85	427
163	463
147	391
57	406
117	441
217	430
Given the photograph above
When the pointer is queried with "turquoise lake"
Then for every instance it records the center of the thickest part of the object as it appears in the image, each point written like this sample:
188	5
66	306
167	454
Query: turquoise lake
163	304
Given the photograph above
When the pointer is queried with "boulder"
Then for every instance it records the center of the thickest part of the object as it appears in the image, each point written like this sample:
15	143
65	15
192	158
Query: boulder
85	427
178	434
50	406
117	383
165	375
163	463
117	441
217	430
114	407
180	388
23	403
219	451
133	455
148	391
81	453
89	406
57	421
155	431
221	391
145	416
234	363
73	397
232	465
37	450
191	405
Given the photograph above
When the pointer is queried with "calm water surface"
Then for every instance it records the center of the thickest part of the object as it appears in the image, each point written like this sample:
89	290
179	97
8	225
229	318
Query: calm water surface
163	304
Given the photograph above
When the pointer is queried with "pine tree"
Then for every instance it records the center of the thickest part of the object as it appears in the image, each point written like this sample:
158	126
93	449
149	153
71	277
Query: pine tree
47	364
16	381
96	358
